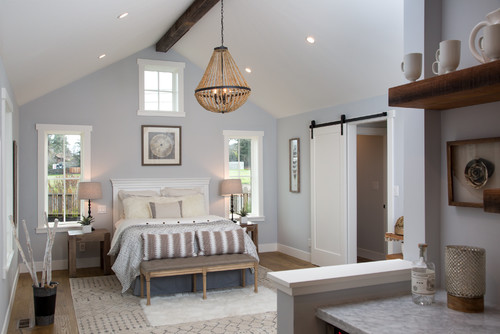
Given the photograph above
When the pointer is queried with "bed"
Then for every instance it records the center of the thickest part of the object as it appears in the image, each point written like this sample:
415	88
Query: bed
165	206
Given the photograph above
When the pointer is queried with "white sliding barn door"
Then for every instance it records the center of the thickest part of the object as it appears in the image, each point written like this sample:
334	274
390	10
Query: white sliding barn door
328	196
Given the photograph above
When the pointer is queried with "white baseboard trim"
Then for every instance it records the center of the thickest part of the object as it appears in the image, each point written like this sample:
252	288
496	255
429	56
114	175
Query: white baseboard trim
6	320
371	255
299	254
86	262
263	248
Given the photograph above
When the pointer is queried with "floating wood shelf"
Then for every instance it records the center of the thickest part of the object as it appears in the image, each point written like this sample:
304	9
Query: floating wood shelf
470	86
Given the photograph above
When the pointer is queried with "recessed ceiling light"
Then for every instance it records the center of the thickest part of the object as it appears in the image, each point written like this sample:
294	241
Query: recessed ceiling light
248	70
121	16
310	39
102	56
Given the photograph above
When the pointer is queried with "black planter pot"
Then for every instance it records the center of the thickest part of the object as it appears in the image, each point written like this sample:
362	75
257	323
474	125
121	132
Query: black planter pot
45	304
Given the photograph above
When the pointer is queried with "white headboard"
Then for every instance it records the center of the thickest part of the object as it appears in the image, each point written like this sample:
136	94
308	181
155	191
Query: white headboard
156	185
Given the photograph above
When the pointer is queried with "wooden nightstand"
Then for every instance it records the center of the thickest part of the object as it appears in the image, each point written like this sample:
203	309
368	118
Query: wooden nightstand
254	229
101	235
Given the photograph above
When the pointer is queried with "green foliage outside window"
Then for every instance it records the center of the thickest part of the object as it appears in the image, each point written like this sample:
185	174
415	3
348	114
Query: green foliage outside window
64	174
240	167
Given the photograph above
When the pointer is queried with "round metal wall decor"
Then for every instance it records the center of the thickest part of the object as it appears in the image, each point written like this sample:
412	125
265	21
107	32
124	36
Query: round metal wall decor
161	145
477	172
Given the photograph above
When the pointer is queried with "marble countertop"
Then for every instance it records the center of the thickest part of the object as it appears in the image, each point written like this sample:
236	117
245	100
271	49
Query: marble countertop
400	315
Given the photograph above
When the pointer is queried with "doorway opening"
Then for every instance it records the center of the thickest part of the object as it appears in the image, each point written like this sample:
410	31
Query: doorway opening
370	187
371	175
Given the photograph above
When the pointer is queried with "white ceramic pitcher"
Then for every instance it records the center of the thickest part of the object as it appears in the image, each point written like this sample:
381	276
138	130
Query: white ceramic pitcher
491	18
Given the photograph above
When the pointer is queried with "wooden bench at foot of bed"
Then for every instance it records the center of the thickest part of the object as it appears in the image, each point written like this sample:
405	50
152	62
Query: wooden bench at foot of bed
196	265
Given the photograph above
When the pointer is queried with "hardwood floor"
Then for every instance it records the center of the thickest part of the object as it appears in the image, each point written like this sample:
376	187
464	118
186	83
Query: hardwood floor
65	318
277	261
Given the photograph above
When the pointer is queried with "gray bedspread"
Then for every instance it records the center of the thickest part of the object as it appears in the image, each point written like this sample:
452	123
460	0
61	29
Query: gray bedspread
128	247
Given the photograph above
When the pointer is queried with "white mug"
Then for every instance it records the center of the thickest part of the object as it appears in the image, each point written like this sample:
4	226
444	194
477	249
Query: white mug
412	66
490	42
448	55
436	66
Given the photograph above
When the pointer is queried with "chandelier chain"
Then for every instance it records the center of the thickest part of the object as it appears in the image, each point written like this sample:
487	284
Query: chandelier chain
222	22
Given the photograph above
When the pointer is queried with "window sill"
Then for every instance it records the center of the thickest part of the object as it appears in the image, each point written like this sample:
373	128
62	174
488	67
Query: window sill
161	113
63	228
250	218
256	218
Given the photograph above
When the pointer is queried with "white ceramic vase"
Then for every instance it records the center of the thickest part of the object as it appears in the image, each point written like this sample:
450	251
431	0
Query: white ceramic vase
492	18
86	228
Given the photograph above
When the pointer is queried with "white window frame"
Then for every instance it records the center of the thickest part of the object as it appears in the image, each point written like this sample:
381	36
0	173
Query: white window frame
6	181
257	153
176	68
85	164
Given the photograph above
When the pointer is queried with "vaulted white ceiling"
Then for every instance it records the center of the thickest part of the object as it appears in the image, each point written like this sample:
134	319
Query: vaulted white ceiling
359	45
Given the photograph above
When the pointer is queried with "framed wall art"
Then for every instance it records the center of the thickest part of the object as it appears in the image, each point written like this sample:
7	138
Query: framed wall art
294	164
161	145
472	168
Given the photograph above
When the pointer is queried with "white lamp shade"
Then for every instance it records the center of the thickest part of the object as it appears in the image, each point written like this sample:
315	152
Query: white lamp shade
230	187
89	190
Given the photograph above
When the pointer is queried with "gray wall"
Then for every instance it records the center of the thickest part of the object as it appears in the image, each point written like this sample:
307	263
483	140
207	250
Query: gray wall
108	100
7	284
430	22
460	225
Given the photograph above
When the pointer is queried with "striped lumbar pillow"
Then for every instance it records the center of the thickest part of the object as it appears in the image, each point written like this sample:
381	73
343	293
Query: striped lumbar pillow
221	242
166	246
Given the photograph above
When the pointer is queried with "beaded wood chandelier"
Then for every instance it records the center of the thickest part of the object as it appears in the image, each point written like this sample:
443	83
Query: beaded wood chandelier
222	88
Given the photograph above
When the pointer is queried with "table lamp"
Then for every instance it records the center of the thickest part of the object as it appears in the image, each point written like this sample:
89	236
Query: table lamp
230	187
89	190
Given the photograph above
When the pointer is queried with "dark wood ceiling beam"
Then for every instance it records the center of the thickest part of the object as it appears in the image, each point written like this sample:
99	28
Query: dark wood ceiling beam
188	19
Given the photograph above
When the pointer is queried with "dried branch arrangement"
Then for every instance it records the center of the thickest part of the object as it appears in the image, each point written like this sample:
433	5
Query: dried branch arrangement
46	280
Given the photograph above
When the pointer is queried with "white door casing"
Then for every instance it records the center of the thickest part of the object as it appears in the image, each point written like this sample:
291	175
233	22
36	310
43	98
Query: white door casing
6	180
328	196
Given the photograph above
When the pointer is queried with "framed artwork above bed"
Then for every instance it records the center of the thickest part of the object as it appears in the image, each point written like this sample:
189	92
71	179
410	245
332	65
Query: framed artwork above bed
161	145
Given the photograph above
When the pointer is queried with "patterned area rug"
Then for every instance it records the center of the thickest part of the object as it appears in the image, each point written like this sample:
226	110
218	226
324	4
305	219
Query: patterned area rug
101	308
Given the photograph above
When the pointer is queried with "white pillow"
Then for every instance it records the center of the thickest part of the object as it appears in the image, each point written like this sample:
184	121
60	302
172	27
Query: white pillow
193	206
136	207
179	192
165	210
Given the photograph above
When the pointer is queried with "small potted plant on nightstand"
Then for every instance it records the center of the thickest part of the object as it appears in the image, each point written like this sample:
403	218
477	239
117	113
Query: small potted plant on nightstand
86	223
243	215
